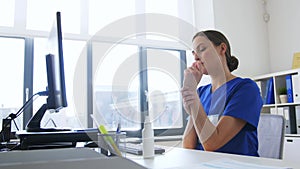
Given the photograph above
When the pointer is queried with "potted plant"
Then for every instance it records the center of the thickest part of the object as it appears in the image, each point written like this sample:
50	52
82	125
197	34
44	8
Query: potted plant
282	94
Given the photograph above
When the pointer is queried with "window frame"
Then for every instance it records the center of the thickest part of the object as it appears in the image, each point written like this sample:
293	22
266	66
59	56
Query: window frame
169	131
28	86
142	50
27	77
19	31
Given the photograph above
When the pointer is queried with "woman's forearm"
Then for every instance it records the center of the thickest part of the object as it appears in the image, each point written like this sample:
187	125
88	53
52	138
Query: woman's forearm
202	125
213	137
189	139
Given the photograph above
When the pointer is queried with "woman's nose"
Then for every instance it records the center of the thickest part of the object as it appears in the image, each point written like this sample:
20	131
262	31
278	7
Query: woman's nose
196	56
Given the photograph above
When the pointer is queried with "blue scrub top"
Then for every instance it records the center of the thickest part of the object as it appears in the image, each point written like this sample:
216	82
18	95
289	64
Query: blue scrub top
239	98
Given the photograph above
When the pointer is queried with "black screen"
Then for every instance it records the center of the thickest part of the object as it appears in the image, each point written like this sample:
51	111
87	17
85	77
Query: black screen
55	68
56	89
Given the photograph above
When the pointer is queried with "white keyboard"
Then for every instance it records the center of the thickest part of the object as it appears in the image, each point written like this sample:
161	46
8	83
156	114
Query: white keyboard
137	149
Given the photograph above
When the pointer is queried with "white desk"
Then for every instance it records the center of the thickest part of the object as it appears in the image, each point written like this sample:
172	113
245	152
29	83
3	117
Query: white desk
83	158
184	158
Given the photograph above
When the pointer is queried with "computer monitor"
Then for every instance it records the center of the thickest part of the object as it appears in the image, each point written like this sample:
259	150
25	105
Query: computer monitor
56	89
55	74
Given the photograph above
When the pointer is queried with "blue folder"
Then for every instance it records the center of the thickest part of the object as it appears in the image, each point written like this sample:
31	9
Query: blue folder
270	92
289	89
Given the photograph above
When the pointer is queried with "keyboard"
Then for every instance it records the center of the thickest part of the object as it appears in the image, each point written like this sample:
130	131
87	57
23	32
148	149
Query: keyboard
30	140
137	149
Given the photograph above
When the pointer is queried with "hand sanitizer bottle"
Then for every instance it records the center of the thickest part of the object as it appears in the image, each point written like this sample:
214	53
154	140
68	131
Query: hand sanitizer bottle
148	139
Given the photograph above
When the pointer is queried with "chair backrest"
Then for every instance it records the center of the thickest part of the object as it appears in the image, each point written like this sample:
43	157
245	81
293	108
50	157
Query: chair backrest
270	133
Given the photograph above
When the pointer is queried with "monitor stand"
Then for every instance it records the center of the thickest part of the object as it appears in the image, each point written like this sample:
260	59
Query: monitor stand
34	124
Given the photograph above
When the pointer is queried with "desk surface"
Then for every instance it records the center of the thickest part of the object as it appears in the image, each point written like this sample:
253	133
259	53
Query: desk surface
185	158
84	158
65	158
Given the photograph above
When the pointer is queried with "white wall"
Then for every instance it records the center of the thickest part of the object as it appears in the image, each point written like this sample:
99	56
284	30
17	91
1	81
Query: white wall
261	47
242	22
284	33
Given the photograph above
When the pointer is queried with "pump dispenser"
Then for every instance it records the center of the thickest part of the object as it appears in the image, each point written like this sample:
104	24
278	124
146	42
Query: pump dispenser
148	139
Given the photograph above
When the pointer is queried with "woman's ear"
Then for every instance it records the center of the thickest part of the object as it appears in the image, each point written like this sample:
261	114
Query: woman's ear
223	48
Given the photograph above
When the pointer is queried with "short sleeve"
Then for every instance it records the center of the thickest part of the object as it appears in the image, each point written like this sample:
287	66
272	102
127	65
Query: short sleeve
245	102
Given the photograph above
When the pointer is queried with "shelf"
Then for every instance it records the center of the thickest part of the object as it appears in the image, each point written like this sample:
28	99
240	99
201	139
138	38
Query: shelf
287	104
282	73
270	84
280	105
269	105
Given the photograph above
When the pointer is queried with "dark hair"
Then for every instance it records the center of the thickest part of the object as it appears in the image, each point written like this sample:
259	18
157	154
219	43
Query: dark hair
217	38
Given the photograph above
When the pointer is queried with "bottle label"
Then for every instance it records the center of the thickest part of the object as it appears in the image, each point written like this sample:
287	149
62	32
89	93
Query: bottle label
148	147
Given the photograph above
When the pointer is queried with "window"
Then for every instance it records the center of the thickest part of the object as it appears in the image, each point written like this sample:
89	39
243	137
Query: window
127	88
116	87
41	14
101	14
164	83
166	7
118	95
12	61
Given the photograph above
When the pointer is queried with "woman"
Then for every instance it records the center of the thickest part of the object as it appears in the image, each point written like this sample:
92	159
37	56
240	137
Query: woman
224	114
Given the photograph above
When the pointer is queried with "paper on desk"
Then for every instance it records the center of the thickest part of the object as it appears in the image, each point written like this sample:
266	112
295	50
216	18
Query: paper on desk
226	163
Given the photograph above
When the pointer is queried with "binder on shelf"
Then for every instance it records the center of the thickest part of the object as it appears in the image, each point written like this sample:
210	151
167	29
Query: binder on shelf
264	90
297	115
280	111
286	115
270	92
259	85
273	111
296	88
290	123
289	89
263	87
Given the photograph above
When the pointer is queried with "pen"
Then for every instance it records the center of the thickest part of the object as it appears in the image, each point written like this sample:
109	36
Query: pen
118	128
108	139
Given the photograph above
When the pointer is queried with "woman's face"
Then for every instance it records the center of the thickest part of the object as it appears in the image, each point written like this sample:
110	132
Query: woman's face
206	55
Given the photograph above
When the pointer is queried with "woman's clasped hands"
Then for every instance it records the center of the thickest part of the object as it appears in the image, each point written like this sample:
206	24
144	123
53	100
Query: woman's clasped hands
192	77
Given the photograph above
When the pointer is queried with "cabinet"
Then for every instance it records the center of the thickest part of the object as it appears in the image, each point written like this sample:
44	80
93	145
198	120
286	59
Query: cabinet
290	110
270	84
291	148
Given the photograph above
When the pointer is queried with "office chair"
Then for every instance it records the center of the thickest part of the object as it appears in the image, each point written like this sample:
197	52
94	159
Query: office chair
270	132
